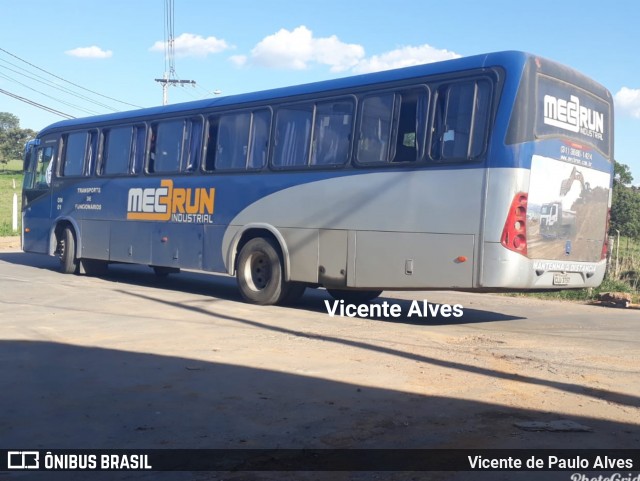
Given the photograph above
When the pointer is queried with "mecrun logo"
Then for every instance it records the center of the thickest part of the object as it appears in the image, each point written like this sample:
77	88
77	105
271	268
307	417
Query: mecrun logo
570	115
177	204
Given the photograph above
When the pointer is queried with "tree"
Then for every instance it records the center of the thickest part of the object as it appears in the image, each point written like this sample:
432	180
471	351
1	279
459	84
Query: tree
625	203
8	121
621	174
12	137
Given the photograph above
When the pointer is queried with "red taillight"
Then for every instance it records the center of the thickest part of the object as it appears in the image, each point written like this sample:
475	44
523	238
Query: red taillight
514	234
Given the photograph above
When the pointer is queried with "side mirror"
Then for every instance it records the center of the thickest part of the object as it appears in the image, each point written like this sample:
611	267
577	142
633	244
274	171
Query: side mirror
29	149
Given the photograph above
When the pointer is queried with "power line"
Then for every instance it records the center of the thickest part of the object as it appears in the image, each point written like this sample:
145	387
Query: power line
69	82
68	104
208	93
40	79
36	104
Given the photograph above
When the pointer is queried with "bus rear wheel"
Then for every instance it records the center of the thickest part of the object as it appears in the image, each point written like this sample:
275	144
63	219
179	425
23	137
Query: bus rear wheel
260	274
66	250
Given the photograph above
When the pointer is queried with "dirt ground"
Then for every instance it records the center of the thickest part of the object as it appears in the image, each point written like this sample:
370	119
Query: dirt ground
9	243
183	363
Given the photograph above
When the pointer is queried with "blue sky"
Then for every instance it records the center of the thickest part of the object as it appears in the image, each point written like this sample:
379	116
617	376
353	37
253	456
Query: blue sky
114	48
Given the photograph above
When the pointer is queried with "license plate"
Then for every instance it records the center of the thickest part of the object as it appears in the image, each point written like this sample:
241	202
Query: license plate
561	279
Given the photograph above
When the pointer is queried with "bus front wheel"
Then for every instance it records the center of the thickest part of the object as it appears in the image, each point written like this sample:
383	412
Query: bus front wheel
66	250
260	274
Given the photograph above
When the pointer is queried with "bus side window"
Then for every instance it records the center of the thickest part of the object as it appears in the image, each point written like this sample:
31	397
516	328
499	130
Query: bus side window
116	157
75	150
259	139
194	145
410	138
165	150
374	133
232	143
210	143
293	135
238	141
139	149
44	167
92	153
460	121
332	133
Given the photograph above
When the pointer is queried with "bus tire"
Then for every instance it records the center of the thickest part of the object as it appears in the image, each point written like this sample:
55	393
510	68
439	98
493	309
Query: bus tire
354	297
260	273
67	251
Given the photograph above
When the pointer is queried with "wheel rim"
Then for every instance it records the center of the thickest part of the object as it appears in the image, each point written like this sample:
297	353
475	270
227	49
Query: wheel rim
258	271
61	249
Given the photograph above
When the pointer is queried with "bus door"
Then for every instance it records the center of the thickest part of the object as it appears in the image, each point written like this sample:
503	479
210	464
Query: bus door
36	194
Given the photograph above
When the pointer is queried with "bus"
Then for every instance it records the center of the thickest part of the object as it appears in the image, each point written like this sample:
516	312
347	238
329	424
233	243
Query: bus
437	176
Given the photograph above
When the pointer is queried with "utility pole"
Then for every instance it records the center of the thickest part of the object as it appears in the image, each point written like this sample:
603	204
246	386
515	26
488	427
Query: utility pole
169	77
166	81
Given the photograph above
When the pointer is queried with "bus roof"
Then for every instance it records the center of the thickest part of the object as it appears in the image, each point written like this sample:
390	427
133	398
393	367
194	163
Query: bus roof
510	60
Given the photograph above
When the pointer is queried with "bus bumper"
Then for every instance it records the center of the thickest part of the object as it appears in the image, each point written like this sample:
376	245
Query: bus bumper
502	268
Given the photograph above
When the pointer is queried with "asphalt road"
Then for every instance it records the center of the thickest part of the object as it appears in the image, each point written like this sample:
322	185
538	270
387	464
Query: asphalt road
133	361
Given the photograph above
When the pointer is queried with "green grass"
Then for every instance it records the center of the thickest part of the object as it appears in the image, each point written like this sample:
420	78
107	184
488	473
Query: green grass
621	276
8	174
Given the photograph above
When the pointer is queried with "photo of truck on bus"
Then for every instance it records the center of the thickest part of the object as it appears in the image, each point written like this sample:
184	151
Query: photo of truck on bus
567	207
556	218
555	221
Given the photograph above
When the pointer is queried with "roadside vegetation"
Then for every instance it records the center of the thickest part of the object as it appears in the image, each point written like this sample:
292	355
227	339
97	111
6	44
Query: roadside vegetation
12	140
10	175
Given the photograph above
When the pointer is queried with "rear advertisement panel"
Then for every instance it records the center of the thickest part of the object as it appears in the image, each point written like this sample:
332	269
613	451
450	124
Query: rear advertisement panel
569	186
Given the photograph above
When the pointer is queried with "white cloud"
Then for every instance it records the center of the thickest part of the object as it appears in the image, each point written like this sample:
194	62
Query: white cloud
191	45
238	60
298	49
403	57
89	52
628	100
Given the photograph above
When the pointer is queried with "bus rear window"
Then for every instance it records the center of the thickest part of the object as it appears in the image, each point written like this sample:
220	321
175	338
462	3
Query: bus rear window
569	111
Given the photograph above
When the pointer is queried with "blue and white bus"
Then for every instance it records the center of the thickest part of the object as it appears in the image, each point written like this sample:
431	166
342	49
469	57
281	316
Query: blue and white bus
485	173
